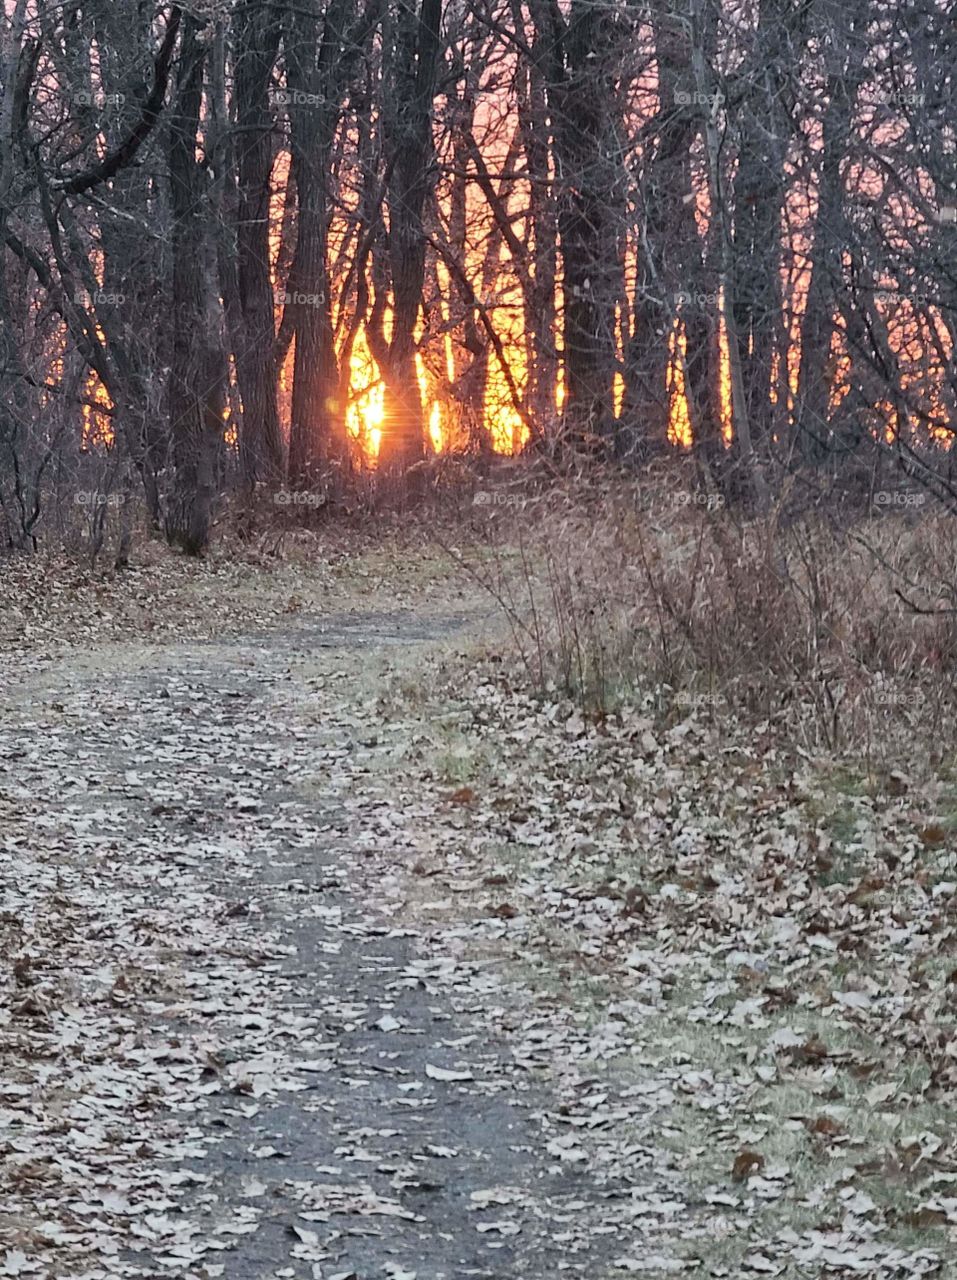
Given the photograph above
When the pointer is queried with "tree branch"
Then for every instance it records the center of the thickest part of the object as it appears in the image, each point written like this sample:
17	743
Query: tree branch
124	154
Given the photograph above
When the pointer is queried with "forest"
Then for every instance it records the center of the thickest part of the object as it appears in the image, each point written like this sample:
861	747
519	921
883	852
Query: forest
478	639
262	246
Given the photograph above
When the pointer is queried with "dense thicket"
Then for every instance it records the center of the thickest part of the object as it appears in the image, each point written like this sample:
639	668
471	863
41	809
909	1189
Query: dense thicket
249	243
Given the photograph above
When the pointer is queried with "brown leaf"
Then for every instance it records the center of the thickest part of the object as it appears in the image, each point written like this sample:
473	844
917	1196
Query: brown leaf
504	911
745	1163
933	835
464	795
863	1070
813	1050
925	1216
824	1126
867	886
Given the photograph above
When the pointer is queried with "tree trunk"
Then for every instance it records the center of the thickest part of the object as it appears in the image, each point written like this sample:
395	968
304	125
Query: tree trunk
195	382
670	275
591	189
409	128
318	73
256	36
540	309
763	132
816	376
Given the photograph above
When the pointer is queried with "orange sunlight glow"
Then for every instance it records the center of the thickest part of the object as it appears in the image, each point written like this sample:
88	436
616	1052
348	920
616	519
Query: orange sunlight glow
917	337
679	414
365	413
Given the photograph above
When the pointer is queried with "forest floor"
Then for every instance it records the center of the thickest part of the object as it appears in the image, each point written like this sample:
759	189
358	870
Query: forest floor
329	951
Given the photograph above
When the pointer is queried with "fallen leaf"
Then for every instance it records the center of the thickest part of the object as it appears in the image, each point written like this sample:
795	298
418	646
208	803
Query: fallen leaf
745	1163
441	1073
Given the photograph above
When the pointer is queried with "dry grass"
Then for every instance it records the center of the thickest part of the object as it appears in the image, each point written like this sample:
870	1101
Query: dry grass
831	627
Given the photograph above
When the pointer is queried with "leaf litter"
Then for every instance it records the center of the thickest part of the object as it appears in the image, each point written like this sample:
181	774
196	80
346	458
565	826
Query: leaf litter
705	927
714	998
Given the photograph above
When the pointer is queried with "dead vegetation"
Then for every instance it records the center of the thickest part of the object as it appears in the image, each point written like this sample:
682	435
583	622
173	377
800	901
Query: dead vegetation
755	944
701	825
705	813
821	626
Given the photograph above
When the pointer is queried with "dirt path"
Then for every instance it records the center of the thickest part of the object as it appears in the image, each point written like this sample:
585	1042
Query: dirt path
328	950
230	1049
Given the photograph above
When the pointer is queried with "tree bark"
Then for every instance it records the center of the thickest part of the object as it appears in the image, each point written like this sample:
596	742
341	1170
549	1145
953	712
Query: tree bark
670	275
195	385
256	41
409	129
816	376
319	71
591	191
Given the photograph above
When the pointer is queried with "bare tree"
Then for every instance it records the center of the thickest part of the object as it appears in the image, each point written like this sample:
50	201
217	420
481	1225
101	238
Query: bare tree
412	46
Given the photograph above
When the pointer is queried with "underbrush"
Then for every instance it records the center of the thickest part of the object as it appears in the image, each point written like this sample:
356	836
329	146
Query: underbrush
756	946
836	625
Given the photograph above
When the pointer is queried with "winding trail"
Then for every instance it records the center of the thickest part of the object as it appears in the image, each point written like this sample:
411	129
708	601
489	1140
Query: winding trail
229	1050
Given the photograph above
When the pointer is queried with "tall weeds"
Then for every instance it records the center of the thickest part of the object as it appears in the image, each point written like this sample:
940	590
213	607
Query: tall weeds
833	627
